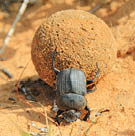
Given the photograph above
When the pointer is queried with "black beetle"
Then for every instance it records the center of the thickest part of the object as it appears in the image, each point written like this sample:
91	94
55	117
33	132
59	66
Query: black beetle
71	89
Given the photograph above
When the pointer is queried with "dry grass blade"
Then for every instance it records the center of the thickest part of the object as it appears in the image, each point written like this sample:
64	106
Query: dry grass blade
17	85
86	131
44	109
71	131
12	29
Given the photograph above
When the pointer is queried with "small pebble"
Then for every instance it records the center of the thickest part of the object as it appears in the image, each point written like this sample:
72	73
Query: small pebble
20	67
11	99
31	98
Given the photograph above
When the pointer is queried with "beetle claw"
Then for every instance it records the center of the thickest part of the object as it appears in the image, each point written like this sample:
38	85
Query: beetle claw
58	120
90	91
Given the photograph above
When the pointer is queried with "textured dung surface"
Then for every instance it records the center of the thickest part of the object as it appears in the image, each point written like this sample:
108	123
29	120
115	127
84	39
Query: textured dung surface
80	38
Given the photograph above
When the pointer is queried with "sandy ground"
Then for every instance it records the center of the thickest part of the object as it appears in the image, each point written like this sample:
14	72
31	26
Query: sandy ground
114	98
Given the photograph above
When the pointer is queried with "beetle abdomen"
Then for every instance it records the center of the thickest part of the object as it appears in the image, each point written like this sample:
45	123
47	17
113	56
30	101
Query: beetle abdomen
71	101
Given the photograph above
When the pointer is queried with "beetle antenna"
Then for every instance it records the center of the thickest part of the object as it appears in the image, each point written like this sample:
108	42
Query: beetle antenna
53	65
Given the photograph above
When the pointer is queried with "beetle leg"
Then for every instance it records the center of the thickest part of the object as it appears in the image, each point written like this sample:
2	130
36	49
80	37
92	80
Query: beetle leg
88	114
90	91
53	65
59	112
91	81
54	84
57	119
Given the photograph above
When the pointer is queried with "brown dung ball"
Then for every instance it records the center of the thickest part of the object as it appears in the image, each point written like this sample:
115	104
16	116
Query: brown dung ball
81	40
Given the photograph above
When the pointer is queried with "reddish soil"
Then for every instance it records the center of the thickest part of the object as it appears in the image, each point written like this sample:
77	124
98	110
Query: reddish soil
115	95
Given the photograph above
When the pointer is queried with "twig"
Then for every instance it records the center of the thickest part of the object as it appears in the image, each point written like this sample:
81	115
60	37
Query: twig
71	131
86	131
18	82
11	31
6	72
79	130
96	8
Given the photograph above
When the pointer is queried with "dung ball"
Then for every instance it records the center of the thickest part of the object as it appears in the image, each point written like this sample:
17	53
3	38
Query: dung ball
80	39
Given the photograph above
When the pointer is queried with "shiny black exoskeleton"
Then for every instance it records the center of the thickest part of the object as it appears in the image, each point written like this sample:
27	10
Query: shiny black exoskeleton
71	90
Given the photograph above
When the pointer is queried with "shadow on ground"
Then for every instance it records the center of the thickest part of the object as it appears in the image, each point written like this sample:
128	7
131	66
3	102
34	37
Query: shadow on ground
28	109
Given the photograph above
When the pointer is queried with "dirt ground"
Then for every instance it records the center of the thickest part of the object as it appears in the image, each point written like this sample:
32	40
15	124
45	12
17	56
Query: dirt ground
112	105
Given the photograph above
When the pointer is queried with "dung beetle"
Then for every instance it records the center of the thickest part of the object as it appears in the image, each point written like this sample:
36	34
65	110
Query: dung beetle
71	88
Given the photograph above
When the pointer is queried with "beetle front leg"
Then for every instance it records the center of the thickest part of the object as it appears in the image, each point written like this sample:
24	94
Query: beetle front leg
88	114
